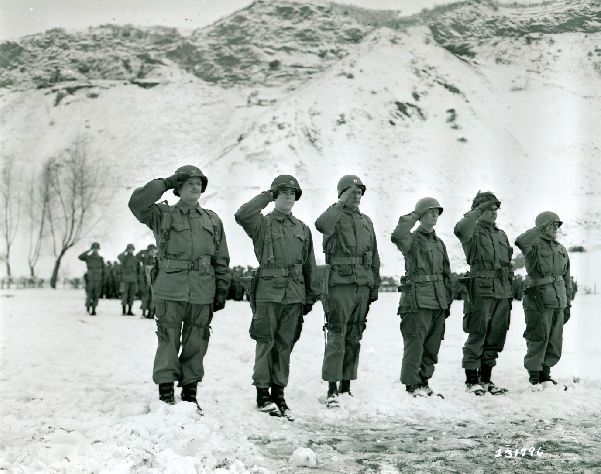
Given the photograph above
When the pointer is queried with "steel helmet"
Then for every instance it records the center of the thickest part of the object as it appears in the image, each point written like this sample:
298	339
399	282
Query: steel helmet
286	181
546	218
190	171
424	204
347	181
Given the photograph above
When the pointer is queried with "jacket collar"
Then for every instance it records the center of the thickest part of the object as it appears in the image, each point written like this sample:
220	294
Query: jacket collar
186	208
281	217
421	230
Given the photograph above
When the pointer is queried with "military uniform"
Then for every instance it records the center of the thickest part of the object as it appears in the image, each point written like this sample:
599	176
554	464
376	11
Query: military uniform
487	309
130	275
425	300
351	284
546	299
94	278
285	283
193	261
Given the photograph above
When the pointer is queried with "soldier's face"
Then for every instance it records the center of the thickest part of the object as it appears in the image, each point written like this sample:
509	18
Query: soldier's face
191	190
489	214
352	196
285	200
430	218
551	230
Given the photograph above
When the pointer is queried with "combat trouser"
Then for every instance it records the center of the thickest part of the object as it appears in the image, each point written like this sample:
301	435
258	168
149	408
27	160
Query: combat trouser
93	290
276	327
345	322
177	319
129	292
544	337
422	331
487	323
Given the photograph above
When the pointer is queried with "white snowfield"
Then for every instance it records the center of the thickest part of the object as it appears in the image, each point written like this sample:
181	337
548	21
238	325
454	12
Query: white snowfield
77	396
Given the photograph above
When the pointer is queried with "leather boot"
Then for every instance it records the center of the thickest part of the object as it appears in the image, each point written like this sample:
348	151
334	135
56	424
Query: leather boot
472	382
166	393
264	402
129	312
345	387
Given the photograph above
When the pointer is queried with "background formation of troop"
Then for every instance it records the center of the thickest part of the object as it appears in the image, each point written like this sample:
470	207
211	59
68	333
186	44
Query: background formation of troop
185	279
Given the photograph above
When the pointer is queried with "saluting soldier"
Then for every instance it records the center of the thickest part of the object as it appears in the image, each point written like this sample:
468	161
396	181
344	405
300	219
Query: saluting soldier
191	280
547	296
130	274
284	288
488	307
94	277
426	294
350	284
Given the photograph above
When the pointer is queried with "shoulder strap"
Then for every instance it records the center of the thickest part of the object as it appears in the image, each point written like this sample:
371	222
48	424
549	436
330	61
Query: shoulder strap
216	229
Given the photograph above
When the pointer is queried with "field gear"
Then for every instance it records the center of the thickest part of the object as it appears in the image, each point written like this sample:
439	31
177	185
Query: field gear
166	393
347	181
285	181
425	204
546	218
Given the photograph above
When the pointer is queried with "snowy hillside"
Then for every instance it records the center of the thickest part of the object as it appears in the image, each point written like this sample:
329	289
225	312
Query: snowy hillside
472	96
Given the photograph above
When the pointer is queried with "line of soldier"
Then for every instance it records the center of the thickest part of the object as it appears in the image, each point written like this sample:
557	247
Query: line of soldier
126	279
191	280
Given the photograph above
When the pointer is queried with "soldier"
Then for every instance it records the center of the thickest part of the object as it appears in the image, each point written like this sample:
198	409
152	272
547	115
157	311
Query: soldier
488	306
148	261
191	278
94	277
284	290
547	296
130	274
350	284
426	294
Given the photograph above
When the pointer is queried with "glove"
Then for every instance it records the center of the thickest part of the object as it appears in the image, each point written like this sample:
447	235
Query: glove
307	309
173	180
566	314
484	205
219	301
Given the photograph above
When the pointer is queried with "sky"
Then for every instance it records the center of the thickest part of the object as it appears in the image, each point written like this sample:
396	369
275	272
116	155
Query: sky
23	17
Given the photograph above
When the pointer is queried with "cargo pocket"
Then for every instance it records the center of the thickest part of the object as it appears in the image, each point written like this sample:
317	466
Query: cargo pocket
160	312
473	322
408	326
535	330
259	327
333	320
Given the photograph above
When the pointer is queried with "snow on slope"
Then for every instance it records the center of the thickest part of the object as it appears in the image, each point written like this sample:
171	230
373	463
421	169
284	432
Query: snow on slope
410	117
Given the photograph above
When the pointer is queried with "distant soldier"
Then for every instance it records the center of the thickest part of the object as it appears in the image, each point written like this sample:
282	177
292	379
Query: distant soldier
547	296
106	283
488	307
94	277
117	287
284	290
350	284
426	294
148	259
192	277
130	273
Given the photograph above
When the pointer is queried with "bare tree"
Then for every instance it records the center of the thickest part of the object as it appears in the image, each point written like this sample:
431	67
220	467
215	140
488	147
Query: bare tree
10	205
76	184
37	207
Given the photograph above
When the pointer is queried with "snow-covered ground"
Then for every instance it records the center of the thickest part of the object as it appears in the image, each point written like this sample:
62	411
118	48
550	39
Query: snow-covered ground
77	396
